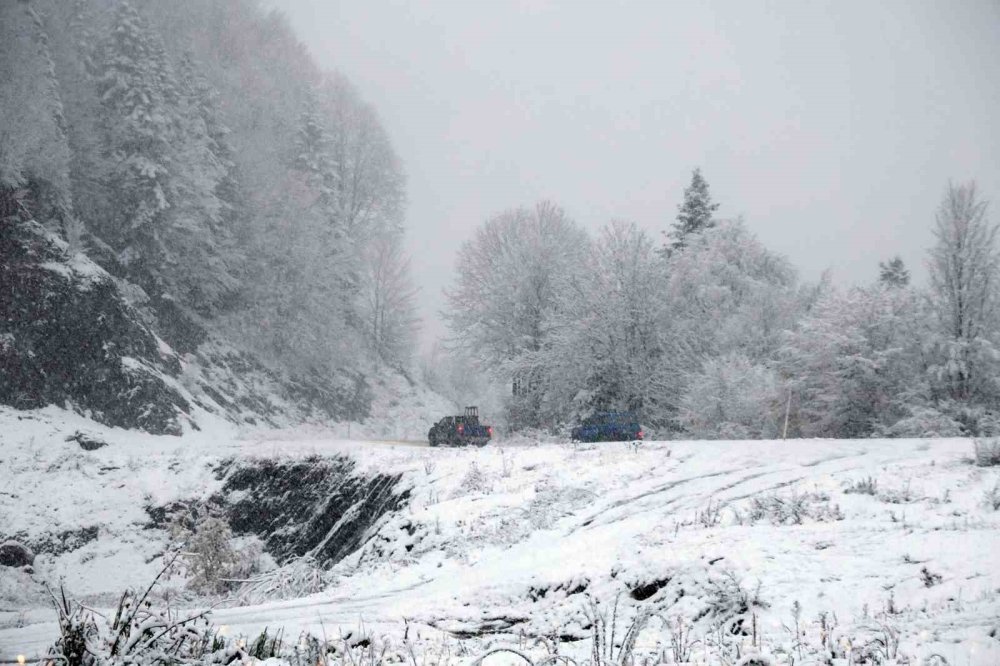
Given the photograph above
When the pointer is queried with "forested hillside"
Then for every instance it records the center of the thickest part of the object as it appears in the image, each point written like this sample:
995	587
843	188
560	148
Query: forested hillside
246	207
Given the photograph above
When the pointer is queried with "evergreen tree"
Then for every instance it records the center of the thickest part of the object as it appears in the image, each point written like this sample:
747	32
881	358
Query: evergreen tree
313	161
199	236
694	214
202	102
893	273
137	127
34	152
75	27
325	223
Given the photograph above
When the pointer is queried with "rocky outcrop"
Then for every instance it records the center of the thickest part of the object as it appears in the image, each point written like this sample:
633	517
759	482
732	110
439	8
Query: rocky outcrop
235	383
73	335
318	506
68	337
14	554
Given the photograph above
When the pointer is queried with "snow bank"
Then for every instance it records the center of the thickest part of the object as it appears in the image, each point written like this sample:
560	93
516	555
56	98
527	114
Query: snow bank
873	535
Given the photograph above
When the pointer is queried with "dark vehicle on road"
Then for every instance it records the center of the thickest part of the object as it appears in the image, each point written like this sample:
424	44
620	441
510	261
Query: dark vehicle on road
460	430
608	427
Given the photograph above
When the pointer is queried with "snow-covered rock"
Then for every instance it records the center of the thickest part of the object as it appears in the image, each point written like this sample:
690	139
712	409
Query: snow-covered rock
68	337
14	554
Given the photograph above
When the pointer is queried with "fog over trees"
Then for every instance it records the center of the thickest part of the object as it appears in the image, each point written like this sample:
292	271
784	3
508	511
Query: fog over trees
196	152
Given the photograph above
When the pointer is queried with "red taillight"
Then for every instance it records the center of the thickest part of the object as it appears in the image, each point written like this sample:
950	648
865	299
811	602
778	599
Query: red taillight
489	429
461	428
641	433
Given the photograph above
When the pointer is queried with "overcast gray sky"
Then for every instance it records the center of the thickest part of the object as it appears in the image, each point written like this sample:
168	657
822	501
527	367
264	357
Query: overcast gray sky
832	127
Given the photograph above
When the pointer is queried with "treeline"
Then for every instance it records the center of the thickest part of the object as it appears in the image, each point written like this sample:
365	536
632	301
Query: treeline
711	335
195	151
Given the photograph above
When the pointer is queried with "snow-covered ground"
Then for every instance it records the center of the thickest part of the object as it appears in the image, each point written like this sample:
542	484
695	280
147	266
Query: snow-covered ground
522	539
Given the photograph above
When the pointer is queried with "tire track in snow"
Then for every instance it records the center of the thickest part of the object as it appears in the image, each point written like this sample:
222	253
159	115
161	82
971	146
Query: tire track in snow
633	502
630	502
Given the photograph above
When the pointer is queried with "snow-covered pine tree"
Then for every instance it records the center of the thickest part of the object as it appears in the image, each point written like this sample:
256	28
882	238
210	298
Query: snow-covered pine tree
200	233
74	27
893	273
310	298
201	100
312	156
34	152
325	224
138	127
693	215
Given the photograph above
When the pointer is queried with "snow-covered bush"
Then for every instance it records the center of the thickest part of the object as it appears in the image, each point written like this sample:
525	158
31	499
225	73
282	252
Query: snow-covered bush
299	578
903	495
209	555
794	508
728	601
865	486
212	559
923	422
987	452
991	498
474	481
137	633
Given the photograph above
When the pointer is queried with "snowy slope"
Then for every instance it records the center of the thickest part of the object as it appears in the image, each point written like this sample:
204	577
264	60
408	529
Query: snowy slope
516	539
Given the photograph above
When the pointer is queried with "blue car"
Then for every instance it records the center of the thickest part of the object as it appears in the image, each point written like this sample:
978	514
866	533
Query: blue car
608	427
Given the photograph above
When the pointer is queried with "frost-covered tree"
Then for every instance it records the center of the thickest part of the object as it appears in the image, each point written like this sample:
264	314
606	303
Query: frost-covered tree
856	364
727	292
894	273
199	235
604	350
388	307
183	124
76	33
732	397
695	213
138	126
500	309
34	151
964	270
367	180
727	295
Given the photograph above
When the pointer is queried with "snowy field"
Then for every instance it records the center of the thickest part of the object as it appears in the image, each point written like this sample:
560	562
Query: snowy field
888	541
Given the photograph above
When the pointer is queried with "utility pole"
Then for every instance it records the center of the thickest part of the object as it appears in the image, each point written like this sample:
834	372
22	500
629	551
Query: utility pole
788	407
